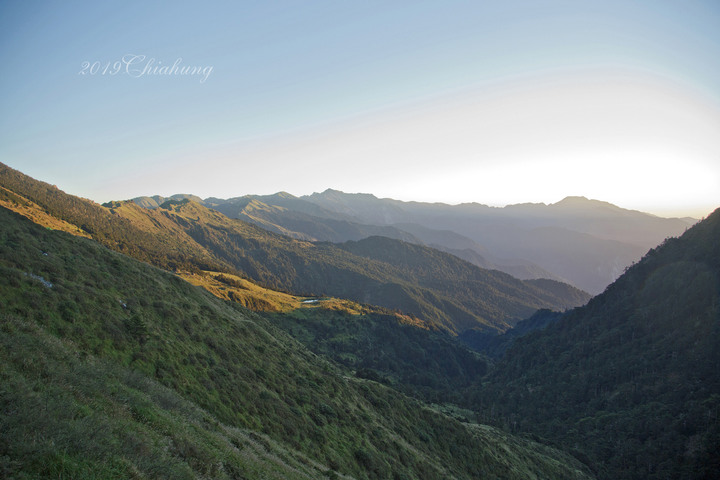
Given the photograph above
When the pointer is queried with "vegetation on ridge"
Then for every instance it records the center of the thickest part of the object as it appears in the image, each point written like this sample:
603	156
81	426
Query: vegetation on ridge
631	380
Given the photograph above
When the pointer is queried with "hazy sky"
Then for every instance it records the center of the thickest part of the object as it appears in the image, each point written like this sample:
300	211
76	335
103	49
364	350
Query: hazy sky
453	101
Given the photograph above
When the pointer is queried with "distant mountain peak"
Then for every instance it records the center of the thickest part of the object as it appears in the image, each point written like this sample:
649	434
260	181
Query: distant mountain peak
575	198
284	194
157	200
581	202
330	192
584	202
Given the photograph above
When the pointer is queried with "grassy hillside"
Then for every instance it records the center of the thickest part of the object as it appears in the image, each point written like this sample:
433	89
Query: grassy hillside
379	344
70	414
259	299
55	209
633	378
34	212
112	368
184	235
426	364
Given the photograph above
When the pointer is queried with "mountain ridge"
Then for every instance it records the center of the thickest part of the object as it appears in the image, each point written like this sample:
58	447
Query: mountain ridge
633	375
183	234
494	237
499	230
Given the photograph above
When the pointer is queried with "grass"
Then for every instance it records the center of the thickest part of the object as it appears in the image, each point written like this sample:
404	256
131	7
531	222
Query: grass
117	369
33	212
79	416
250	295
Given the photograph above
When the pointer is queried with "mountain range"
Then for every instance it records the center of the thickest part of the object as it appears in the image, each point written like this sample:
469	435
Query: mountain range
586	243
417	280
128	350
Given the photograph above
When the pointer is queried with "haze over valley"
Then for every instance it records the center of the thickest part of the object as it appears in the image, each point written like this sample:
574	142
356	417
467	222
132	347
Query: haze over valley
586	243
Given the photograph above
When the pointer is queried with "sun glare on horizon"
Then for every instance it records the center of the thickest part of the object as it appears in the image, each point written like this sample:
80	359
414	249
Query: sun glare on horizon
446	102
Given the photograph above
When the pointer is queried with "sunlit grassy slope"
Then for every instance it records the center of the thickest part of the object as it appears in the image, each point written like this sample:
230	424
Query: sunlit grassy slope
260	299
34	212
379	344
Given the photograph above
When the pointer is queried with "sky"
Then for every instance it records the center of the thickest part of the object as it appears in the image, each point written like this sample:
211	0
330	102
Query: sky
442	101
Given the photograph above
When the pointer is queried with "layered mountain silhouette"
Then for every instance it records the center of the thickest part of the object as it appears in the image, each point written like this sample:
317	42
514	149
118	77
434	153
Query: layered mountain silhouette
602	238
586	243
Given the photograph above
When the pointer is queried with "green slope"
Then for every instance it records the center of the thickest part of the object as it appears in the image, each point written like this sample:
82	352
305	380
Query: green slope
113	368
56	209
489	294
427	364
633	378
412	356
69	414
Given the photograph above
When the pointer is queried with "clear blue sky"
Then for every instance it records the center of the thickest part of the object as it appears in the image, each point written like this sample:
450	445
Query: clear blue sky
452	101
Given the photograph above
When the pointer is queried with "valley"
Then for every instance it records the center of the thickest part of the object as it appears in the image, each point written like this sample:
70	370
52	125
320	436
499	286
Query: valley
435	240
345	336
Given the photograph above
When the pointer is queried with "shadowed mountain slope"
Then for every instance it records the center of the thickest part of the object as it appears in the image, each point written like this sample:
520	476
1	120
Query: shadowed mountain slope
302	219
632	379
